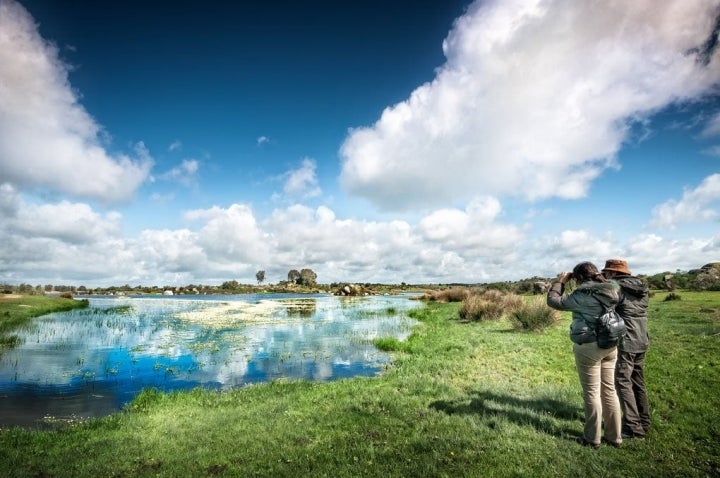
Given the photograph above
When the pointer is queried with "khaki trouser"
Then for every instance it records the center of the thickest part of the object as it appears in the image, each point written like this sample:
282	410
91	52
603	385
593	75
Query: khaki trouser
596	369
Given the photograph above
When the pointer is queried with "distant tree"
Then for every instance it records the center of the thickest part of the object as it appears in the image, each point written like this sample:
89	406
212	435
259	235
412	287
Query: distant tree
230	285
307	277
293	276
260	276
657	281
27	289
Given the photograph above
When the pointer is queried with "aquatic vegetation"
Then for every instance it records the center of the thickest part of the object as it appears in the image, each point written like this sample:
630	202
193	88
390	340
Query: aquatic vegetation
123	309
10	341
119	349
304	308
389	344
229	314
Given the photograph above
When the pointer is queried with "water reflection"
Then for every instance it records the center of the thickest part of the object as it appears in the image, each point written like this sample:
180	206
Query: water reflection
300	307
90	362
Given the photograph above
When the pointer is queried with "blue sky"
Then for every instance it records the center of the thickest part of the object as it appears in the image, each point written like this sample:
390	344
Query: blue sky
171	143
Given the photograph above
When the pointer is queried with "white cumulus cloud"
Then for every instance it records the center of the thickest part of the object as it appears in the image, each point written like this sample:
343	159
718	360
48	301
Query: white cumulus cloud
535	99
75	244
230	235
699	204
712	128
175	146
302	182
472	231
47	139
71	223
185	173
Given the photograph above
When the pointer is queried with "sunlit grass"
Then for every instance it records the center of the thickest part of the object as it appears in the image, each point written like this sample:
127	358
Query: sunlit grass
16	311
461	399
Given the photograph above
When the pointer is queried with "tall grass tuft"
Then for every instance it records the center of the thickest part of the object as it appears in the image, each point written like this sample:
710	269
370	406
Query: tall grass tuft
672	296
489	305
389	344
534	316
9	341
455	294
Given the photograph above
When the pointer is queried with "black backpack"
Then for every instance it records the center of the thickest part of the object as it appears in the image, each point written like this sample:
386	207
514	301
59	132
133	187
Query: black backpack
610	328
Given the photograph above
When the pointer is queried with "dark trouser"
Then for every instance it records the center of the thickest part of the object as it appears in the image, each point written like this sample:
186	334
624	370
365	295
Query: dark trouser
630	386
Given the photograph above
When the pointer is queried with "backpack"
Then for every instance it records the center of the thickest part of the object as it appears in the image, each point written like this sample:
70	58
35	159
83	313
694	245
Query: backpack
610	328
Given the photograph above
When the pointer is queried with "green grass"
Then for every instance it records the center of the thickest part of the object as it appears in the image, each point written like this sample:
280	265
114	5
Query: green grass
18	311
462	399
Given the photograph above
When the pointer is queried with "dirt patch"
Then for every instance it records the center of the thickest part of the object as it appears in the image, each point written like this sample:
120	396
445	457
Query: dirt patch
10	296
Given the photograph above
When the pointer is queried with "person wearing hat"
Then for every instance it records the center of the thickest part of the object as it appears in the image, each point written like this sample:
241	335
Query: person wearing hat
595	365
630	366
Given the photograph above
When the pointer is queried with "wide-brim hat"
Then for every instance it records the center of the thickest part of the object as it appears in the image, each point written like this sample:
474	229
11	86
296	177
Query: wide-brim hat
616	265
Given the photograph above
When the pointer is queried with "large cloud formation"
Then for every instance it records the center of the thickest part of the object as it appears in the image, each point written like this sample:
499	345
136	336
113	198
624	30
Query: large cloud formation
535	99
47	139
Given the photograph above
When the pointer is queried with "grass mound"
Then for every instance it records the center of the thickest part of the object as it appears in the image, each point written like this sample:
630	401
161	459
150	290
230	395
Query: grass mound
534	315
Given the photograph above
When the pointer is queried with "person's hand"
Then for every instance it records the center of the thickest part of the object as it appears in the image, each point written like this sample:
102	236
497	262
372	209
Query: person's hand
564	277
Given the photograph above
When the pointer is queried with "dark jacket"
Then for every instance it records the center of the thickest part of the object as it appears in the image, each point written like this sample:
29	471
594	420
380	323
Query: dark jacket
633	308
587	302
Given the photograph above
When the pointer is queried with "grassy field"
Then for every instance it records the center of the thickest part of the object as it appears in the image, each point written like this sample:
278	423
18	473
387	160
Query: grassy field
462	399
17	310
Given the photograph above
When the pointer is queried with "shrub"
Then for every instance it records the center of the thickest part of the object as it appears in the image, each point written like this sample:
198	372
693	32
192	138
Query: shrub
489	305
534	315
509	300
476	307
672	296
456	294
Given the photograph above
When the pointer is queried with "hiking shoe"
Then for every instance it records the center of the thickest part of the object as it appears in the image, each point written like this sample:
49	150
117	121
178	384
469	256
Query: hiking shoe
582	441
614	444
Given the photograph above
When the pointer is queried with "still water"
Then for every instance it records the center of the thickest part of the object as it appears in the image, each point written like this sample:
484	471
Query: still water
91	362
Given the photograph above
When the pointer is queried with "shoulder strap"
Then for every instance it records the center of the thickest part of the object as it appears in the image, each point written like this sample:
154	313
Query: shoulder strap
606	308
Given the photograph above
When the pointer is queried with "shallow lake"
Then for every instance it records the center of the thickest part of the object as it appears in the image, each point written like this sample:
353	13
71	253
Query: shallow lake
91	362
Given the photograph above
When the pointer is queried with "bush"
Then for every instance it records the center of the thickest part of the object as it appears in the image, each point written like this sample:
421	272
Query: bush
489	305
509	300
456	294
534	315
476	307
672	296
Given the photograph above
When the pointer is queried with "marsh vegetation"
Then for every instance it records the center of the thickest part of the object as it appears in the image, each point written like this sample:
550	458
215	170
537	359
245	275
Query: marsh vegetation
92	361
461	398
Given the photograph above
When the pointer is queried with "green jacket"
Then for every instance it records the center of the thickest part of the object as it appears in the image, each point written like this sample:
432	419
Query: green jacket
633	309
585	304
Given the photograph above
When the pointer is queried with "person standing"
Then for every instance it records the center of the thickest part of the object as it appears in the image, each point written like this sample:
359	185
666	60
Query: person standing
595	365
630	367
